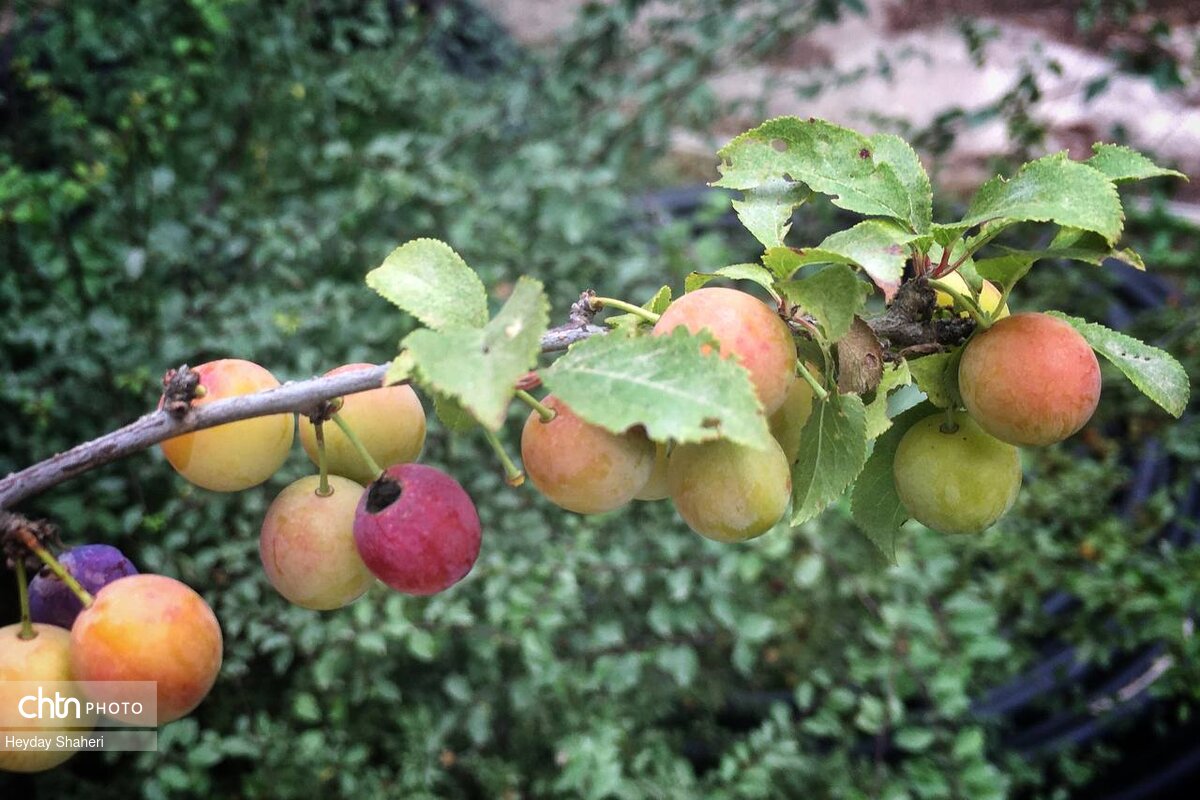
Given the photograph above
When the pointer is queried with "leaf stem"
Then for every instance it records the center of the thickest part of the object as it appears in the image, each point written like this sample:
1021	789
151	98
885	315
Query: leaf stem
58	569
820	391
512	474
544	411
323	489
27	631
372	465
967	303
621	305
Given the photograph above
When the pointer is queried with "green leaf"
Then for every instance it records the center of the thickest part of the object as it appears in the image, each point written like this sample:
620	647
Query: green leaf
1051	189
874	503
766	211
827	158
875	246
1153	371
1005	270
1072	244
401	369
478	367
899	155
833	449
657	304
937	376
665	383
832	296
452	414
895	375
429	280
1120	164
736	272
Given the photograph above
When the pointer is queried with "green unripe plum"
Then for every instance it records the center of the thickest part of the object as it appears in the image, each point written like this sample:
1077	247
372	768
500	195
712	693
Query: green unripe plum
746	329
582	467
728	492
789	419
390	422
46	659
656	486
1030	379
307	544
955	482
236	455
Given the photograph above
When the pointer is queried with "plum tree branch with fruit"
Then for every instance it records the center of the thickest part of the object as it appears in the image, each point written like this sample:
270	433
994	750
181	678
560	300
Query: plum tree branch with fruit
749	416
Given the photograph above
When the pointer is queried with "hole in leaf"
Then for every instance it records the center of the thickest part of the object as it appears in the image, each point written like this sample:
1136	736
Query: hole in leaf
382	494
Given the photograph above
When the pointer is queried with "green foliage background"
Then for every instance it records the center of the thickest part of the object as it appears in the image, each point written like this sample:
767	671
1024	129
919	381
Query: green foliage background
186	181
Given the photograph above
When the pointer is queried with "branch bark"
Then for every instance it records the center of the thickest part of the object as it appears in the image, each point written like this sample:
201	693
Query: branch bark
300	397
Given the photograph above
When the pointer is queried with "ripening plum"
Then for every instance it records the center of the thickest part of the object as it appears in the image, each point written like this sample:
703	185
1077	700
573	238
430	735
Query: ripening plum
417	529
745	328
729	492
236	455
582	467
656	484
93	565
44	658
989	296
149	628
1030	379
957	481
389	421
307	544
789	419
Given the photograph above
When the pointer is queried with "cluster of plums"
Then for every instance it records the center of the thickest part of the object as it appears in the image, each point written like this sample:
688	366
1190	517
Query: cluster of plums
412	527
139	627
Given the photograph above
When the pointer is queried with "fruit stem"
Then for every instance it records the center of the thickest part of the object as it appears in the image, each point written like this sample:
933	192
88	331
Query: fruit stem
820	391
544	411
949	425
621	305
514	476
27	631
323	489
376	470
964	302
58	569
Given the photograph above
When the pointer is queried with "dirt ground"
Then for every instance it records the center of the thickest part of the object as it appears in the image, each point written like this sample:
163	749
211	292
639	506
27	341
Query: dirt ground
933	72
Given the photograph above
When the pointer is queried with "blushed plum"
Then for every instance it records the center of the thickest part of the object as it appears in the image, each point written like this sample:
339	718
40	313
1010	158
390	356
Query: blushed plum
1030	379
417	529
729	492
44	658
307	544
955	481
390	422
746	329
93	565
149	628
582	467
237	455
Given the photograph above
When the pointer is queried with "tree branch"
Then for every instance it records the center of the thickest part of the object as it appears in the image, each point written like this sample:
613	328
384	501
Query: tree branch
301	397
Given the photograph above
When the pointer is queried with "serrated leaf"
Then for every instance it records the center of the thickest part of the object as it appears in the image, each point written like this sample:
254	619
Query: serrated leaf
734	272
766	211
657	304
832	296
667	384
874	504
1071	244
401	369
895	375
937	376
1120	164
876	246
1051	189
452	415
833	449
478	367
1153	371
1005	270
426	278
827	158
904	161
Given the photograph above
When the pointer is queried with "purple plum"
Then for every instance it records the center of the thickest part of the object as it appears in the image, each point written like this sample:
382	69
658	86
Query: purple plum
94	565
